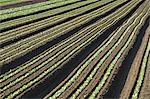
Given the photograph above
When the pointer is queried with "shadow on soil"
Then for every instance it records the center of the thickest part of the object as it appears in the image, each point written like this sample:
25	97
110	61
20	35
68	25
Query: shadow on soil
143	30
50	26
28	56
51	82
117	85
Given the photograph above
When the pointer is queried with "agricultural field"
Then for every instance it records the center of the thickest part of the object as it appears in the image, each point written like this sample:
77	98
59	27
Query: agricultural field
75	49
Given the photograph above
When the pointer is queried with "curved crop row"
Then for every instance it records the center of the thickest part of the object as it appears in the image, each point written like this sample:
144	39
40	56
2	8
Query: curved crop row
4	76
146	82
106	75
68	55
134	67
102	22
28	7
21	31
63	88
44	14
80	70
9	1
119	66
63	42
78	47
100	85
41	38
9	15
142	72
76	50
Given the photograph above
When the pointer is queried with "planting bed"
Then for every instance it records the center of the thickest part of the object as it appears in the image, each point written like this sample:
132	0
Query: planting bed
75	49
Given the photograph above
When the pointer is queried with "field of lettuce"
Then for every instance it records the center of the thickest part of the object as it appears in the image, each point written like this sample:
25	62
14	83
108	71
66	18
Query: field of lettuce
75	49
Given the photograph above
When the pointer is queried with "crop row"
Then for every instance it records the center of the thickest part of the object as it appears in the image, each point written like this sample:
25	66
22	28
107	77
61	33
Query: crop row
5	2
73	51
91	58
25	30
44	14
28	11
93	75
78	73
45	55
135	66
43	37
142	72
57	47
28	7
56	28
146	82
108	72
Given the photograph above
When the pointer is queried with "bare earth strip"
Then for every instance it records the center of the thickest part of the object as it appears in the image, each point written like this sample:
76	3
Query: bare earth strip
77	81
145	91
115	70
131	79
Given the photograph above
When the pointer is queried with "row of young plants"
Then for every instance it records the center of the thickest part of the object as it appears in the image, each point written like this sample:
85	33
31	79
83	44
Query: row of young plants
66	57
69	41
91	76
116	12
13	72
142	73
63	88
136	64
4	76
41	38
73	51
45	14
28	7
17	91
145	85
5	3
119	62
62	46
55	28
27	29
58	92
49	21
59	54
64	43
108	72
28	11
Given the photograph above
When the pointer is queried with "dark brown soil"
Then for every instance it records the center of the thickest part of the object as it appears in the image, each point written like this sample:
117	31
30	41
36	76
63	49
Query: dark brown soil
126	68
89	88
40	49
116	69
120	78
48	26
99	38
85	72
79	79
41	69
134	70
145	90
